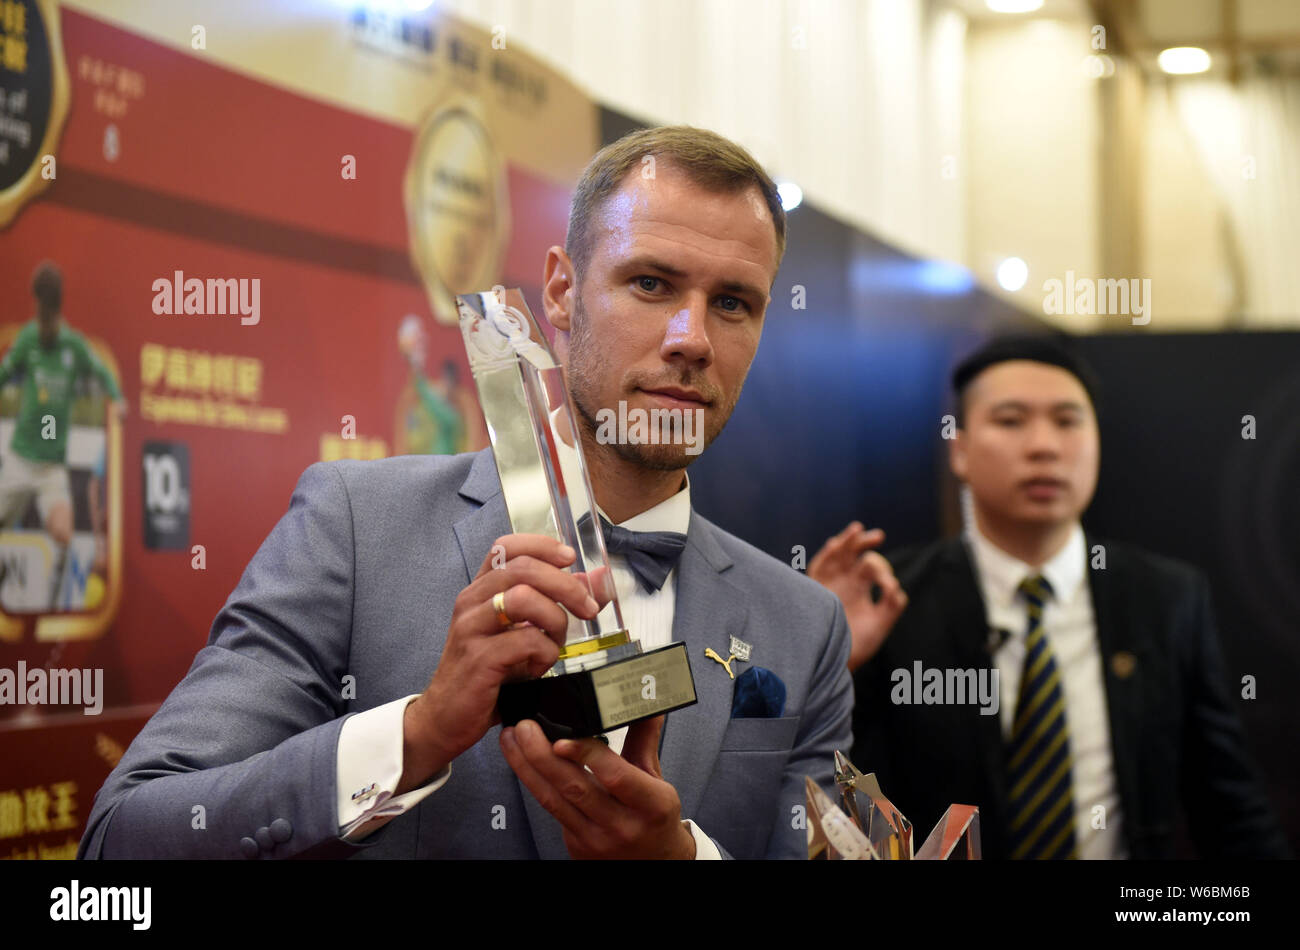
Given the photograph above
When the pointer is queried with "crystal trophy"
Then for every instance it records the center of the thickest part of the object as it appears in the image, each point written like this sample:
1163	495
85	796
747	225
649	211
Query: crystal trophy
955	838
869	827
833	835
602	679
883	824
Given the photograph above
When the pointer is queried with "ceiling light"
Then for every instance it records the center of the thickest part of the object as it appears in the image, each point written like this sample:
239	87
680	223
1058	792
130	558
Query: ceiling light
1182	60
791	195
1014	6
1012	274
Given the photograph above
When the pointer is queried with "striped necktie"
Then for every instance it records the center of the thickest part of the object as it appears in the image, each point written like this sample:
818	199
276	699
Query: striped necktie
1041	795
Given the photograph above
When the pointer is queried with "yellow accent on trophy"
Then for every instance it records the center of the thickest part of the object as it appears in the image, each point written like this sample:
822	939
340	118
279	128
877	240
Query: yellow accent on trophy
582	647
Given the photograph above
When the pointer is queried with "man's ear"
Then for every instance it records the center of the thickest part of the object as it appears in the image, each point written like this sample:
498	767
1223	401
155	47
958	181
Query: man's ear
957	454
558	288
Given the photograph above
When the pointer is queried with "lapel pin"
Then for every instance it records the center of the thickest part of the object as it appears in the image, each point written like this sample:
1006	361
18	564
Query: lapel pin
1122	664
740	650
712	654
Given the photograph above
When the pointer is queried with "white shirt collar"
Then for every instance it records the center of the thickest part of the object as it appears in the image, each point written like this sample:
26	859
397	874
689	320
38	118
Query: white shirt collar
1001	573
671	514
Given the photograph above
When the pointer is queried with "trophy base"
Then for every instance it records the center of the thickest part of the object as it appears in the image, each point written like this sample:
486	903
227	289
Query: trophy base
593	701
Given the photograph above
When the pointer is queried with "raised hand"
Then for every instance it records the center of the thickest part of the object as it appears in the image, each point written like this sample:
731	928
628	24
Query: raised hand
849	566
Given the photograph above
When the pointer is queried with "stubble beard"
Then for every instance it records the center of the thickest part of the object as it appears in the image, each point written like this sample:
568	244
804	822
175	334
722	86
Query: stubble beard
651	457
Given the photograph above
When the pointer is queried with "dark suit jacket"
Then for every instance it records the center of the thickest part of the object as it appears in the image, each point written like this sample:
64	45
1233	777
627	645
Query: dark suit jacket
1175	736
359	580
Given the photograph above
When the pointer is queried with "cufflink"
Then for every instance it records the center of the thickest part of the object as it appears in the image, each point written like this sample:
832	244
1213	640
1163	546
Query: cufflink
368	792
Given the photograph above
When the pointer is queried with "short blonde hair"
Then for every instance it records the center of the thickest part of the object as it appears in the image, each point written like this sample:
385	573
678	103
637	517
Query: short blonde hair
709	160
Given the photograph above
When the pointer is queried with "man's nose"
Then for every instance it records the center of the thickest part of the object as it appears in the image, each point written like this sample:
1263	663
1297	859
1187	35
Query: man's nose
686	336
1044	438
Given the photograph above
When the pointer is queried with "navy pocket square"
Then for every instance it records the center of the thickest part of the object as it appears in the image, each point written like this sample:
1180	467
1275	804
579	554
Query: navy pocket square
759	694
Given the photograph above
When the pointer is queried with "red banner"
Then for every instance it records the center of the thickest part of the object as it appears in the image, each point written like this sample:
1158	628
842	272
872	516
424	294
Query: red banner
259	273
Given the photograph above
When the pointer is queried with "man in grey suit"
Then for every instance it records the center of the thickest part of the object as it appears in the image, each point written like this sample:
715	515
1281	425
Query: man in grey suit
345	702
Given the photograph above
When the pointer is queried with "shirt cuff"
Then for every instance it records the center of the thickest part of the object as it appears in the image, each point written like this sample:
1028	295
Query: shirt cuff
705	849
369	768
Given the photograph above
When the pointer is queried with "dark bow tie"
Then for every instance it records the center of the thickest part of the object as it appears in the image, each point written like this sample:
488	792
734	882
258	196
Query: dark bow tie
650	554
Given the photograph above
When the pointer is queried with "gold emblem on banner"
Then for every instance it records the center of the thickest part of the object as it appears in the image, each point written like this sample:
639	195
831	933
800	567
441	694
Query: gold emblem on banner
457	206
34	92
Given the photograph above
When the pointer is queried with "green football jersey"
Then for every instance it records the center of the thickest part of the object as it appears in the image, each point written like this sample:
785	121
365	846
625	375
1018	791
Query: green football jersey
449	428
50	374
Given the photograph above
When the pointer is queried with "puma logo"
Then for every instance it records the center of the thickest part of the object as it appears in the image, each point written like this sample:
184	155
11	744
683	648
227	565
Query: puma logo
712	654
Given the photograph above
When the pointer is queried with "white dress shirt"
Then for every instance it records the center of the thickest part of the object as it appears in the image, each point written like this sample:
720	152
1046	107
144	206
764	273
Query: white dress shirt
1071	630
370	742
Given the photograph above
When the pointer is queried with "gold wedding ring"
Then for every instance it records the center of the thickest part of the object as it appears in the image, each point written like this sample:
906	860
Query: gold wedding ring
499	605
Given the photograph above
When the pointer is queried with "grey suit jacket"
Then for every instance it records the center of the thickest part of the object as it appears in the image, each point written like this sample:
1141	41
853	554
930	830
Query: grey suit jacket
358	579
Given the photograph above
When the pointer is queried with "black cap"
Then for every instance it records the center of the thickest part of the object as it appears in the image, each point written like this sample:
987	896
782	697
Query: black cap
1038	348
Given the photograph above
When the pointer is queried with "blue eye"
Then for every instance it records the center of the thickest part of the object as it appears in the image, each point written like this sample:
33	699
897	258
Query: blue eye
738	304
647	283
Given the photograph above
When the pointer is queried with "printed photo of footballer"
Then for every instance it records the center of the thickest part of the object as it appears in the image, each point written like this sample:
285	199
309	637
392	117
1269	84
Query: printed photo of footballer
55	429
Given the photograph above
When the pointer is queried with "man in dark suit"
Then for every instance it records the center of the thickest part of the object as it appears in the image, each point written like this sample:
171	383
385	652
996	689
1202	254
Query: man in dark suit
346	701
1069	686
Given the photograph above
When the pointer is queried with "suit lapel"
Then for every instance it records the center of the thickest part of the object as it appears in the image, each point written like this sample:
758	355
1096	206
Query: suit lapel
709	610
967	622
477	530
1121	651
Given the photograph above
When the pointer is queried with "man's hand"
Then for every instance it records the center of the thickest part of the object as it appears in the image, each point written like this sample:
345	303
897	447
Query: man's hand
621	808
459	705
848	566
